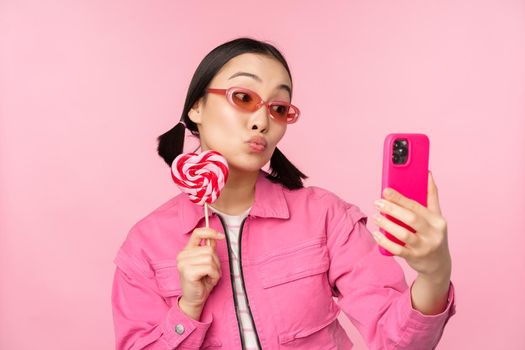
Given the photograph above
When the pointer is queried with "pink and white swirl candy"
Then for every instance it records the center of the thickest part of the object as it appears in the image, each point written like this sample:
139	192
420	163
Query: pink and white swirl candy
202	176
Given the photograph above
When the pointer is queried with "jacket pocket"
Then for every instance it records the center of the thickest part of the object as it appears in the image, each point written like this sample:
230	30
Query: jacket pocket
296	285
167	277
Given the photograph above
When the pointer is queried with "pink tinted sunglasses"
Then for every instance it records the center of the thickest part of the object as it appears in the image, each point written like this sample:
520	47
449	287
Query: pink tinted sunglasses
249	101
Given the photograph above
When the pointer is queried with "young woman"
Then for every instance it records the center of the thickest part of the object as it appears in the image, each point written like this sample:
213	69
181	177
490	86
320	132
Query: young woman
280	252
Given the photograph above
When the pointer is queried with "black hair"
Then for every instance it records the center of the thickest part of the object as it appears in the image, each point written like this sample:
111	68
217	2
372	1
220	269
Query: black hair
171	143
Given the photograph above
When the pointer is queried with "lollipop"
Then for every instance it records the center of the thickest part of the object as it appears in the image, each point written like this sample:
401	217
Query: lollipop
202	176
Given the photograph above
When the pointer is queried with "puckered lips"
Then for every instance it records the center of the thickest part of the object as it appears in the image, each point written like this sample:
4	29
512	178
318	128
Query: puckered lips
257	143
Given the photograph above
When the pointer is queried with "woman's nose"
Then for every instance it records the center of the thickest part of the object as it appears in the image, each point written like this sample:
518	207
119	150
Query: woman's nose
260	119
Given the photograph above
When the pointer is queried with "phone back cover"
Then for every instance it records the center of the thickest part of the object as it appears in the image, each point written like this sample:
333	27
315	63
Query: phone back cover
409	179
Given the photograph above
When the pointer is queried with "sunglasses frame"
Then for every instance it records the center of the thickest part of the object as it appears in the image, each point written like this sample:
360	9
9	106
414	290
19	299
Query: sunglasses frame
229	96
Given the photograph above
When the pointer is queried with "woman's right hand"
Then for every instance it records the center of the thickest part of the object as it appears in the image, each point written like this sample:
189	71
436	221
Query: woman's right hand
199	270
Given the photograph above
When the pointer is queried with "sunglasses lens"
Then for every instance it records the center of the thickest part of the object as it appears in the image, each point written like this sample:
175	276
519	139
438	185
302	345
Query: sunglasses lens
244	100
283	112
280	111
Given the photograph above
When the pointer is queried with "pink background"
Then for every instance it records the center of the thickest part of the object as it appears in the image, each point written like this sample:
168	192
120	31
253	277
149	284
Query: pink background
87	86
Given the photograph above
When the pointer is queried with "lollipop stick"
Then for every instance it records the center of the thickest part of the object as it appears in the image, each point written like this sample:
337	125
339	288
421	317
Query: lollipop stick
207	221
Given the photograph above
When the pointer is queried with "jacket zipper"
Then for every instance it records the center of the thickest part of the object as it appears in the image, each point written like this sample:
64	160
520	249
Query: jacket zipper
232	279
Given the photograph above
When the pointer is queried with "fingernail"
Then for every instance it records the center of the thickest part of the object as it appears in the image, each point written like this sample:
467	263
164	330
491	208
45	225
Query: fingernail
379	203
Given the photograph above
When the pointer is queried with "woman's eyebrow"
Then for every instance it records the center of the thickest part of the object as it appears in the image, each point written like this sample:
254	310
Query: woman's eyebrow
253	76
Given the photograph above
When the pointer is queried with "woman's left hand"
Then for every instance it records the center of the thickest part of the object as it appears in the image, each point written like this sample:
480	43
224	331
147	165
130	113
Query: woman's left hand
426	250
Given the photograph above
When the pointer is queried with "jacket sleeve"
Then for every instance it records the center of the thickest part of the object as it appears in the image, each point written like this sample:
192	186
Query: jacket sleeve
142	318
372	290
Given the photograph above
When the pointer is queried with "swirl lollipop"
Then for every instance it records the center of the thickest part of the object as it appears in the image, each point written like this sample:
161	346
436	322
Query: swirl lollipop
202	176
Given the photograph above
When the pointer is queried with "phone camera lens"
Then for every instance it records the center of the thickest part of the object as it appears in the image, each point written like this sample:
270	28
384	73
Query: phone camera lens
400	151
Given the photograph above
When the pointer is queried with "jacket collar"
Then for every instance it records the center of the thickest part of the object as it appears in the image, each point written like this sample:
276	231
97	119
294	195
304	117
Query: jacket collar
269	202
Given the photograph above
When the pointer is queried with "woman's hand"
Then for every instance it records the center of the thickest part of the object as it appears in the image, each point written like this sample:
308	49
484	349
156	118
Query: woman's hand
425	250
199	270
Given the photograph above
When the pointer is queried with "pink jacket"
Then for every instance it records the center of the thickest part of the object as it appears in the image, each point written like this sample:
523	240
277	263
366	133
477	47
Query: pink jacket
299	249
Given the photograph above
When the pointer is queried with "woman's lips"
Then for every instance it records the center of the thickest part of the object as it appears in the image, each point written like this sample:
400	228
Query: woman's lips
256	147
257	143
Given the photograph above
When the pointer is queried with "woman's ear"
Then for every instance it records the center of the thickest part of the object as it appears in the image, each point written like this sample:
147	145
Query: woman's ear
195	113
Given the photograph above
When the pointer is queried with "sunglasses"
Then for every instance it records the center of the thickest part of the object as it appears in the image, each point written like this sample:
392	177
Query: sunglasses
247	100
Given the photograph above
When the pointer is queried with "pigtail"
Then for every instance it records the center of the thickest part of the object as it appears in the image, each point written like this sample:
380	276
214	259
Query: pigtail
284	172
171	143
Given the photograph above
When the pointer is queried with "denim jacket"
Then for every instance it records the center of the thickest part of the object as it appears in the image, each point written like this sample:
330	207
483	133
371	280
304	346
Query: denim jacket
305	255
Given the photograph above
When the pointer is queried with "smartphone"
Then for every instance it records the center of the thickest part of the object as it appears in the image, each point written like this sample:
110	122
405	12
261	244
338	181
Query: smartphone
405	169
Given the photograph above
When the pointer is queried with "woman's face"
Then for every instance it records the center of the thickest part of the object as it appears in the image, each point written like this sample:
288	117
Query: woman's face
226	129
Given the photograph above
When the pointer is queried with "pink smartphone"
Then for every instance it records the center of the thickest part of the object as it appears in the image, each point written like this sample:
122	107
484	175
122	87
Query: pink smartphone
405	169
